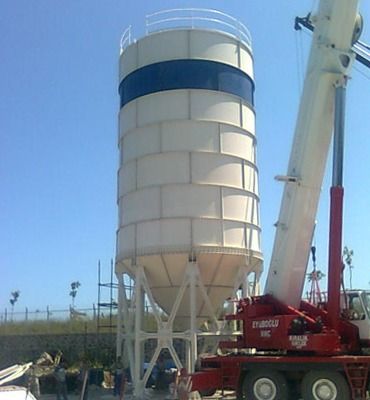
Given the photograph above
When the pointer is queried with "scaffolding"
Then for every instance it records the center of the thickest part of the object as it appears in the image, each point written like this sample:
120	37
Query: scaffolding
106	320
107	309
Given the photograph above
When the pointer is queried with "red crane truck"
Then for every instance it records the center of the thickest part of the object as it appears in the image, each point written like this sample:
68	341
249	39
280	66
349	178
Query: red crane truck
287	348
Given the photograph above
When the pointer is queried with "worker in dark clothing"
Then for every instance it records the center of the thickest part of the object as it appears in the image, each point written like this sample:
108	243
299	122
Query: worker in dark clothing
118	376
61	382
161	375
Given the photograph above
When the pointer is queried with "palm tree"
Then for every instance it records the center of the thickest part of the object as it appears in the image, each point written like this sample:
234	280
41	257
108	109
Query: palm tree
347	259
14	299
73	293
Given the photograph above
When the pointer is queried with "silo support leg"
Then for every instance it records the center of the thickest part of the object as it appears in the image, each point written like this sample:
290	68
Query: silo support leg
175	357
179	297
193	275
256	284
123	311
242	282
120	311
151	364
151	299
138	363
207	302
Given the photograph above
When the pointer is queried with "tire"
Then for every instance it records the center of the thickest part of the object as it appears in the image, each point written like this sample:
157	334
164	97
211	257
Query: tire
325	385
264	385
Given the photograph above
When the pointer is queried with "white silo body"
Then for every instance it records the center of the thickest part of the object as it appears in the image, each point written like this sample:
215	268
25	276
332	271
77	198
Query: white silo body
187	180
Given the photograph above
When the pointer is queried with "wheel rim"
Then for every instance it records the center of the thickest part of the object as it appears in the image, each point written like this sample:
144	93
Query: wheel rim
264	389
324	389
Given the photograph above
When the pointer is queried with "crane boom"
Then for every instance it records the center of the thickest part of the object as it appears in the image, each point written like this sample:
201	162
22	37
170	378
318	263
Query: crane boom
329	65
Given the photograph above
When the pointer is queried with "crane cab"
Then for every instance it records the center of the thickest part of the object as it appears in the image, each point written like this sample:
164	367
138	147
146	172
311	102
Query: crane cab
355	305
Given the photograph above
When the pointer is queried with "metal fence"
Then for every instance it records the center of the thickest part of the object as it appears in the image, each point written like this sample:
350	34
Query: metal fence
55	321
47	314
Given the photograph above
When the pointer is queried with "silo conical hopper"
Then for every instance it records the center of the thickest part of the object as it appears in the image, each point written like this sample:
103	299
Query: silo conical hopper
187	179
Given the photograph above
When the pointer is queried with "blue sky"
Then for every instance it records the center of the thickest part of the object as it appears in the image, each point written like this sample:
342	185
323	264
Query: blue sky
58	129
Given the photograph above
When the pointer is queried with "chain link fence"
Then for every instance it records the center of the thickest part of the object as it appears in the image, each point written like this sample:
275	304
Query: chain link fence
56	321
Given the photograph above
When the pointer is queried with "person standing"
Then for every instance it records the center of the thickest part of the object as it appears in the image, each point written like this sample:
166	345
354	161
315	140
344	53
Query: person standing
118	376
61	382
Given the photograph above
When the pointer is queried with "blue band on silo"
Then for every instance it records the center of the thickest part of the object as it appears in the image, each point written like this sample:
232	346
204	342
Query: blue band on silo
186	74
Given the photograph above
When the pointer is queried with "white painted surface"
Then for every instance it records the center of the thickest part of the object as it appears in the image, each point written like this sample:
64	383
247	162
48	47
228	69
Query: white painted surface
183	44
187	182
334	26
15	393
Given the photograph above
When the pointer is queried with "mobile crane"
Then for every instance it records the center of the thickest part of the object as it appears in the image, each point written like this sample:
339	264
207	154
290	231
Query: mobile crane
287	348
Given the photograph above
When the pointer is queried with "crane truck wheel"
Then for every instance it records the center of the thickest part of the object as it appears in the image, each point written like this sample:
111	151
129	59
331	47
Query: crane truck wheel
325	385
264	385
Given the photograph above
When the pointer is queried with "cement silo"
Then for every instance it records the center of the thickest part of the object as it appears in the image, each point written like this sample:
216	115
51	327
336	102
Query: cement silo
187	179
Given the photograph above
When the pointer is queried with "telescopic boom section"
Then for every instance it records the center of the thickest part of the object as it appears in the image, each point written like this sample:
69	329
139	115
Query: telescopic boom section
329	65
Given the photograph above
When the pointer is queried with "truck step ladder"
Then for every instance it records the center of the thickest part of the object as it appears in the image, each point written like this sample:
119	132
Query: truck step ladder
357	374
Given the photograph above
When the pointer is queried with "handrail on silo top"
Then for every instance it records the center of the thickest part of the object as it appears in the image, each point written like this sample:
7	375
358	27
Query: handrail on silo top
198	18
125	39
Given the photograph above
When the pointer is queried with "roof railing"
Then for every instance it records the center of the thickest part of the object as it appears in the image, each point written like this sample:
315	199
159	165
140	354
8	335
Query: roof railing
193	18
126	38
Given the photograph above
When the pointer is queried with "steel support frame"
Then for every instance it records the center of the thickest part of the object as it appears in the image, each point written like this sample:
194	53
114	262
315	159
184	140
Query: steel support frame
130	333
